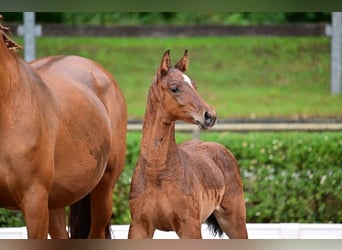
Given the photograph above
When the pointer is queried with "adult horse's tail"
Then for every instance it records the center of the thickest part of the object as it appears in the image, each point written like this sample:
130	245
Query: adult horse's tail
80	220
213	226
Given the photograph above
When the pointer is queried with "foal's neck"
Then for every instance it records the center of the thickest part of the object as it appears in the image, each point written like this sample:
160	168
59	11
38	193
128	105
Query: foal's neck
158	142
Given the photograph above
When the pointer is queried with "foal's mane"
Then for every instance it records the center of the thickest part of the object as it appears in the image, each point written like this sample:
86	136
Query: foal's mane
5	35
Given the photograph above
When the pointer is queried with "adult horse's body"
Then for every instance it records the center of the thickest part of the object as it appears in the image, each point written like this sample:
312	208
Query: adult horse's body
177	188
63	138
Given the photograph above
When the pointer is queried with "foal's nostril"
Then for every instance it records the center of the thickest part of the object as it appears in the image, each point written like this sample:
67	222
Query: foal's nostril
207	118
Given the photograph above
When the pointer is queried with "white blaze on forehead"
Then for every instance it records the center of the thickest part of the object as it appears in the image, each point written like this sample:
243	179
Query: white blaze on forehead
187	80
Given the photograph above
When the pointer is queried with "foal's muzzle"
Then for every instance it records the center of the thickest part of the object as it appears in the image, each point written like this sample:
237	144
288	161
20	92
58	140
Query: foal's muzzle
207	120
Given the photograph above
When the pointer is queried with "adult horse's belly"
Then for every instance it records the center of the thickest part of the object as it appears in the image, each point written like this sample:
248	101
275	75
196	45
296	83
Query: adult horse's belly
82	144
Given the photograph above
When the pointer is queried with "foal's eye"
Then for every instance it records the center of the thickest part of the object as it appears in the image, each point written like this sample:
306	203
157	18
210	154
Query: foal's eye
174	89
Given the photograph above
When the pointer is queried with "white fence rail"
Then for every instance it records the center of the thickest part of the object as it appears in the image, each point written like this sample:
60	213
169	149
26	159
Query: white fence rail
258	126
255	231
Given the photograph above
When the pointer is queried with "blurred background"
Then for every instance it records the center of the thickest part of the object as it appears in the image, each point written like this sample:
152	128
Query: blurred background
175	18
265	68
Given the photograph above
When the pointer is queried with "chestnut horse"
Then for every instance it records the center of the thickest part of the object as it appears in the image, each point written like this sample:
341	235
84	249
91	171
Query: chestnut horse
63	141
177	188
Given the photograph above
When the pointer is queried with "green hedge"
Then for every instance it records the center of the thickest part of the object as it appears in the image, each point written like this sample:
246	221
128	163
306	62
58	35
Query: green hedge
173	18
288	177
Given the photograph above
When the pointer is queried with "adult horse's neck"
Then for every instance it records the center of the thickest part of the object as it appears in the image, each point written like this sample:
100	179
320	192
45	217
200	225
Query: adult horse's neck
158	143
9	70
15	78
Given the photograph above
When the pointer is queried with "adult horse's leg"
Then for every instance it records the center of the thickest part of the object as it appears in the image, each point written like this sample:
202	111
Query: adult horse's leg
91	216
35	186
36	212
101	209
57	224
102	199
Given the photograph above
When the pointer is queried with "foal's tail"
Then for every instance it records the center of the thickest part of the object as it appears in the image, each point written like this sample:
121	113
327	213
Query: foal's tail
80	220
213	226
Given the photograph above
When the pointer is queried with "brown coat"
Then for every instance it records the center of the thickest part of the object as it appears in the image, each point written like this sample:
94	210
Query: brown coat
177	188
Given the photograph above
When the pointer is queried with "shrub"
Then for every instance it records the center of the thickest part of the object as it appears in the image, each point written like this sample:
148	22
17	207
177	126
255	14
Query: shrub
288	177
11	218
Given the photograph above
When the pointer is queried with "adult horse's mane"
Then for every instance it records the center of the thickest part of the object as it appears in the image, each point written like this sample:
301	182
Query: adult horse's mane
6	36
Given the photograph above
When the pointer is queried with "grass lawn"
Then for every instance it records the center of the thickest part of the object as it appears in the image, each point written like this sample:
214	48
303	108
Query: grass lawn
242	77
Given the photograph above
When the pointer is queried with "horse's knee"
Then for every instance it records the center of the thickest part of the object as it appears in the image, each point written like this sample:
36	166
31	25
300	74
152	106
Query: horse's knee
138	232
190	229
193	233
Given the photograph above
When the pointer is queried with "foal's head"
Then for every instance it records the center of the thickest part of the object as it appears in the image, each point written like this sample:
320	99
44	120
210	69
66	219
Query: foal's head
178	95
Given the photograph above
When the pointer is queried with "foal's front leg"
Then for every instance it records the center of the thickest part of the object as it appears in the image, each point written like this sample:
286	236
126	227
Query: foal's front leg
141	226
139	231
190	229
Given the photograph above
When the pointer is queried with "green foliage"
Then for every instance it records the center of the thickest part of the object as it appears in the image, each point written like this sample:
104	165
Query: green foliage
193	18
41	17
11	218
121	213
174	18
288	177
241	77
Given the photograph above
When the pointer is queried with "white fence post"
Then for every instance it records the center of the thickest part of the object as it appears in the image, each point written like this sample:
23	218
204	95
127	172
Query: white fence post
336	53
29	30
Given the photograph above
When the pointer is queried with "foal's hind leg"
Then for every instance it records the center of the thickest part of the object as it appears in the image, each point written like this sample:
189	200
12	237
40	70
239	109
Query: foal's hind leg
231	216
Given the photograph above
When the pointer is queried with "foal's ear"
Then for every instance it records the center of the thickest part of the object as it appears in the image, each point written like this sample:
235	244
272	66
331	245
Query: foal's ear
165	64
182	64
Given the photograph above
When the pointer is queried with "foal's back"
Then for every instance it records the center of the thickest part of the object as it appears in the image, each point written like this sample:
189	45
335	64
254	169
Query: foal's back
214	163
